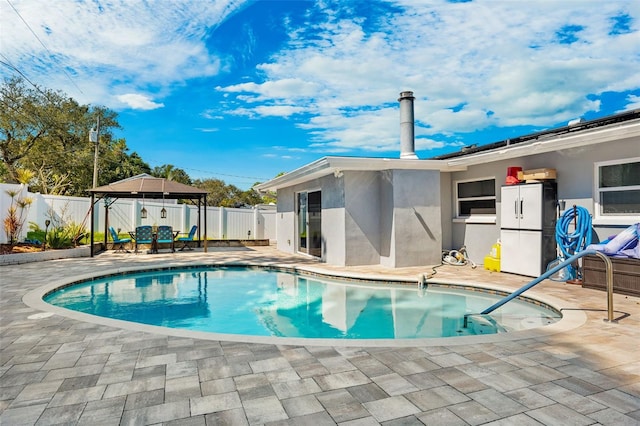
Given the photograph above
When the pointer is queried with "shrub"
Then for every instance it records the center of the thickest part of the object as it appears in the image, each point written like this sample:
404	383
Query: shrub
16	215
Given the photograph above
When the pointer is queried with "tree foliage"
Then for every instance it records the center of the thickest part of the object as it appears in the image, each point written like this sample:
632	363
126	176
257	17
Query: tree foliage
47	133
172	173
221	194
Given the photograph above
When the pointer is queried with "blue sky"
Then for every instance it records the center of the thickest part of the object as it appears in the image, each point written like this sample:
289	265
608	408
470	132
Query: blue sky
243	90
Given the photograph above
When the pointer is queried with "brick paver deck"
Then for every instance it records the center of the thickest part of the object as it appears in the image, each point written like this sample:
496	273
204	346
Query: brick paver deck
57	369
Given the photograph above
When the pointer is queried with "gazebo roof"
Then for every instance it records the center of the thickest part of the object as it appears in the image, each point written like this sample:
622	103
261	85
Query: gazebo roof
147	186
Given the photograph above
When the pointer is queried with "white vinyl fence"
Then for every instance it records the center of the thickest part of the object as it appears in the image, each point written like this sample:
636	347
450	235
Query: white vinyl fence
124	215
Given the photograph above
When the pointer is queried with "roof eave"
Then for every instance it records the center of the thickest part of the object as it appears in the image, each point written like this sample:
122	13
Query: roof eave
625	131
334	165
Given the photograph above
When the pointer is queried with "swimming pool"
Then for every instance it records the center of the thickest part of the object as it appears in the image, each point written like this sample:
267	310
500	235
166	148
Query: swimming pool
275	302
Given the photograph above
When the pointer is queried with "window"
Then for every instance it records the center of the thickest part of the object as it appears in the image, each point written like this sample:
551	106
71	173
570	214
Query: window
617	190
476	198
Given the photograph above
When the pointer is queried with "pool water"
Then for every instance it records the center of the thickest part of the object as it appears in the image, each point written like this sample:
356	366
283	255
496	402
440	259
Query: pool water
260	302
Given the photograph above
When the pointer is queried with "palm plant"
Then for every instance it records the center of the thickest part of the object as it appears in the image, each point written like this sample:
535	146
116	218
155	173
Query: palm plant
16	216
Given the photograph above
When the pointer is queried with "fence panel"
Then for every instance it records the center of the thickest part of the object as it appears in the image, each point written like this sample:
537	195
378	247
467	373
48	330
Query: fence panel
213	223
124	214
239	223
120	215
267	225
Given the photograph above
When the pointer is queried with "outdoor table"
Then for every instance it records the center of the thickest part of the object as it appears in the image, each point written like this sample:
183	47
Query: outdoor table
154	239
154	242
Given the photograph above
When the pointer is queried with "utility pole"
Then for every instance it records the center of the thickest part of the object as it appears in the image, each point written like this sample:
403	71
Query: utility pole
94	136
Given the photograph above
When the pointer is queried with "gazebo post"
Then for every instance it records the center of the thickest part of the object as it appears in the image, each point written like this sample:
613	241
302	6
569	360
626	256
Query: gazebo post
199	231
92	215
205	223
106	222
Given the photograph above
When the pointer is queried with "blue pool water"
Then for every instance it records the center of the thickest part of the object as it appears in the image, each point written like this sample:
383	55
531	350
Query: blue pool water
259	302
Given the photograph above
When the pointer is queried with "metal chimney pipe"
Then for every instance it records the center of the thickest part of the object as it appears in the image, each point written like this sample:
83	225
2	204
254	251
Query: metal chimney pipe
407	142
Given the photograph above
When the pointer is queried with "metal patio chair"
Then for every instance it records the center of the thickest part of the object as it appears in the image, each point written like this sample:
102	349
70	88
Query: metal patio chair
189	237
143	235
166	236
119	241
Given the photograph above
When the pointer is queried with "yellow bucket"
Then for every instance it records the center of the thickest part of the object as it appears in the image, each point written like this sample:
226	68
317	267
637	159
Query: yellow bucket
491	263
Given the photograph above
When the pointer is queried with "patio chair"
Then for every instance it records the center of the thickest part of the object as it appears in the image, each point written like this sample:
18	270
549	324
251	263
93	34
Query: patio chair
143	235
189	237
166	236
120	241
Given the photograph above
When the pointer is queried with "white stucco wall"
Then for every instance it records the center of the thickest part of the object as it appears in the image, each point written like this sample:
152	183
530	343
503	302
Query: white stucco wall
575	179
362	218
416	228
446	210
334	249
285	221
401	218
391	217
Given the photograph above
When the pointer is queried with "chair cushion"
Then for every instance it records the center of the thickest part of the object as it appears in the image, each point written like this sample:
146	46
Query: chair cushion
144	234
165	234
189	237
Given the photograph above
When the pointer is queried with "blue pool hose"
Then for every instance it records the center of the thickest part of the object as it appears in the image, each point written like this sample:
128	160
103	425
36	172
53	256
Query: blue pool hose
579	239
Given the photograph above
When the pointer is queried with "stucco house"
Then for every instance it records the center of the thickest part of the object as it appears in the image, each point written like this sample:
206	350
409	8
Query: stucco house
405	211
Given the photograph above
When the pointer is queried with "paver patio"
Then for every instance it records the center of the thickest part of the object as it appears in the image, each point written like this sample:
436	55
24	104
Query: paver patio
56	369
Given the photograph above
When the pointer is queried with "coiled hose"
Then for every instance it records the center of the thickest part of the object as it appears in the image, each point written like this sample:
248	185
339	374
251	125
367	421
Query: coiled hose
458	258
579	239
453	257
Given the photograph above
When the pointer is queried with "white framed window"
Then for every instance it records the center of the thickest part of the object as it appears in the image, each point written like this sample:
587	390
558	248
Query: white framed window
476	200
617	191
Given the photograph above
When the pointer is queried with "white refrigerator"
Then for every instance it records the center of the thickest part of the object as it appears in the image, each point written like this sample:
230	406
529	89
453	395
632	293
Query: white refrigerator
527	227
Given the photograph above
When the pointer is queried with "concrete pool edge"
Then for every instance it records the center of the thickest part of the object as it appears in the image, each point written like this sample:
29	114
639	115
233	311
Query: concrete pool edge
571	317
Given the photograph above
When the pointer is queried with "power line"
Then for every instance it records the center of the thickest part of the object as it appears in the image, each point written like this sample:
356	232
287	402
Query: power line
254	178
43	45
223	174
9	65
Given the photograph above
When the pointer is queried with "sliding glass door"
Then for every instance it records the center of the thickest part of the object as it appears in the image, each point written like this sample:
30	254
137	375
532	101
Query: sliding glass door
309	208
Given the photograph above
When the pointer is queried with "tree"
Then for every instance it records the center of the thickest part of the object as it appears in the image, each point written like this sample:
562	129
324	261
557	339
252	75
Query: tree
48	133
24	121
216	189
116	164
62	158
270	197
172	173
222	195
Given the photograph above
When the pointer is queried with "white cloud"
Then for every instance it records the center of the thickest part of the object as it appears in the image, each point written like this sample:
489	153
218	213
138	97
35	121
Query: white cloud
282	89
137	101
471	66
212	115
115	46
634	103
278	110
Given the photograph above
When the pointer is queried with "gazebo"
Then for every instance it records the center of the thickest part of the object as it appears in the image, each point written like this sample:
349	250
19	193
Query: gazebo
148	187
